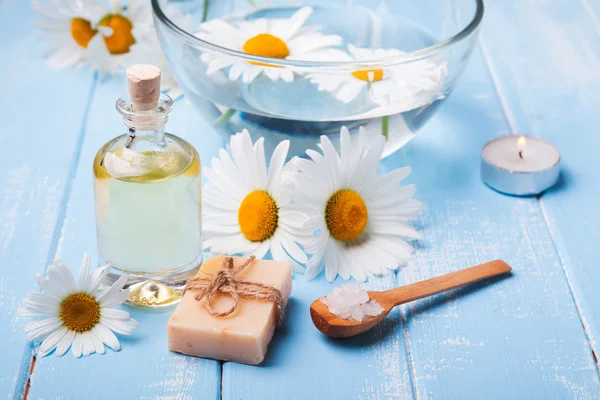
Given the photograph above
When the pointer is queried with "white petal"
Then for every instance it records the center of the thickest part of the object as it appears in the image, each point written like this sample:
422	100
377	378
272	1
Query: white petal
60	273
43	329
295	22
98	344
98	277
261	250
87	344
107	337
113	290
395	228
290	246
331	260
50	288
52	341
277	162
350	90
77	345
116	299
286	75
83	279
120	326
65	343
114	313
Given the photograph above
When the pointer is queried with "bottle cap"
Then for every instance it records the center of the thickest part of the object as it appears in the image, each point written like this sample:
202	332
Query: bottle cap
144	86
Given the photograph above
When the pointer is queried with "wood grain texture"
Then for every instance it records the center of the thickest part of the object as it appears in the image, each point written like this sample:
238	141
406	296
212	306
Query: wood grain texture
547	71
39	149
520	337
302	363
144	368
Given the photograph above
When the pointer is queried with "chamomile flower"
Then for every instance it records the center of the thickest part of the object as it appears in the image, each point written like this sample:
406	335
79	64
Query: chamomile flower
69	25
275	38
76	313
359	218
397	88
111	50
247	207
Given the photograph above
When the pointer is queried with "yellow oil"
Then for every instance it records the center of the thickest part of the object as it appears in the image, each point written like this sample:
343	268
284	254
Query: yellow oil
149	223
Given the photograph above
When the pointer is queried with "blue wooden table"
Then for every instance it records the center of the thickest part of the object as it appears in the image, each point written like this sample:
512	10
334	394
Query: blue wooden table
536	70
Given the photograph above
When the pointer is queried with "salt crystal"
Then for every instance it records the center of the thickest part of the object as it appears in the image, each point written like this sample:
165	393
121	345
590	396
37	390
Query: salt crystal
362	297
352	303
357	314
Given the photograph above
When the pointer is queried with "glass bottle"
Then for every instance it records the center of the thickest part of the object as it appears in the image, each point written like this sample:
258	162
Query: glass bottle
147	187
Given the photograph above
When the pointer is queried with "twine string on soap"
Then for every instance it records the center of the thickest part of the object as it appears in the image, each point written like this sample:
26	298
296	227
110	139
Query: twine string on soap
225	282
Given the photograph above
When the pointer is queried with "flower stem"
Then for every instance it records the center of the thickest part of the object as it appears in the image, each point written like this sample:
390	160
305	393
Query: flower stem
385	126
205	11
226	116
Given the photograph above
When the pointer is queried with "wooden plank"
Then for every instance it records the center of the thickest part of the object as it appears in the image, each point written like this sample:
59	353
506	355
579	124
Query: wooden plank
512	338
302	363
41	136
547	71
144	368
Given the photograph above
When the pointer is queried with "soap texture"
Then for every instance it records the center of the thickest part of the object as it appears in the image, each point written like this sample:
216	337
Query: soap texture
240	337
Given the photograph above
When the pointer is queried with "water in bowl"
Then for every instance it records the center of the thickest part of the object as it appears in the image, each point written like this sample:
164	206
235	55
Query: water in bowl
298	111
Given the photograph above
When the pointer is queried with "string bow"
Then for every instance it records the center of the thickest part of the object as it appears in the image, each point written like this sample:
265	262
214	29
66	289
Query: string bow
225	281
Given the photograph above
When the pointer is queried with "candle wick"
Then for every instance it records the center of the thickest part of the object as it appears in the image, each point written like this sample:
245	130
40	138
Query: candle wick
521	154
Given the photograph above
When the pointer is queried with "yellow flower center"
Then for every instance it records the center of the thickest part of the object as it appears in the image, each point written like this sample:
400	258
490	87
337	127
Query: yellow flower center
82	32
122	38
266	45
258	215
369	75
346	215
80	312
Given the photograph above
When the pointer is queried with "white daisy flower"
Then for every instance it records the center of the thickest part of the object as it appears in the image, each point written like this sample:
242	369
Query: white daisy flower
76	314
69	26
358	217
247	207
274	38
119	29
400	87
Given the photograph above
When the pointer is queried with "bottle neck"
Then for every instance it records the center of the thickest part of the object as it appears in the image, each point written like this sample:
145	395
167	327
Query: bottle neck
146	125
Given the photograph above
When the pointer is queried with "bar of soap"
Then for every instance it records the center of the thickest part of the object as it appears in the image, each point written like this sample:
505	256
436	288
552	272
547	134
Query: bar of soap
240	337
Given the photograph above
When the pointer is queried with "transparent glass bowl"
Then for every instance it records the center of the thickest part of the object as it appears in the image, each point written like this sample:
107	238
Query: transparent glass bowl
394	92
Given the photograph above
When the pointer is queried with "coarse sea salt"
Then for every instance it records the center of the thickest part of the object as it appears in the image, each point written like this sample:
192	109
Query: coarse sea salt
352	303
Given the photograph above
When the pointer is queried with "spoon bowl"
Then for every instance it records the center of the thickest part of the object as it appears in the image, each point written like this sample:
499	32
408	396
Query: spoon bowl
333	326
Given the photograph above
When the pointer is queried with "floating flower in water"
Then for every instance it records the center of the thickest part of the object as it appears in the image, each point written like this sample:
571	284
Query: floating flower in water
400	87
76	314
358	216
274	38
70	26
247	208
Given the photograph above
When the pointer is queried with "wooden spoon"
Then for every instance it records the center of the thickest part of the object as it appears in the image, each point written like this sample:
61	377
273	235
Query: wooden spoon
333	326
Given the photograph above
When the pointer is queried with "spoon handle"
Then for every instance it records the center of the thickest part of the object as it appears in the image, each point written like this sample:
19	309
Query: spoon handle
446	282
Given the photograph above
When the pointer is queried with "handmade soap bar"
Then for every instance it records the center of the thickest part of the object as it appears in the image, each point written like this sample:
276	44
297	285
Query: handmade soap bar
242	336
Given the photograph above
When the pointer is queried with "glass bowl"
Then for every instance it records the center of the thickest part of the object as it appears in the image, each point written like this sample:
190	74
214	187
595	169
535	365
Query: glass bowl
301	71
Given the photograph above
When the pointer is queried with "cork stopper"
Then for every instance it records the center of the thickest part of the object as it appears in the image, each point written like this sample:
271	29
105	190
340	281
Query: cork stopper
144	86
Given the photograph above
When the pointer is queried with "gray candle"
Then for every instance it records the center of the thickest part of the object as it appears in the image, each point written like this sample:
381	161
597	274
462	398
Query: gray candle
519	165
